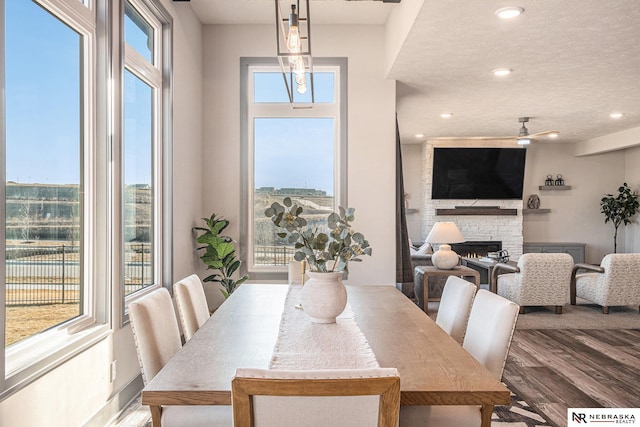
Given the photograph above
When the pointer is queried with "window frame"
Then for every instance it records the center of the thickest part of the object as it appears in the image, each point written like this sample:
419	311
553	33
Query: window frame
38	354
100	23
159	77
251	110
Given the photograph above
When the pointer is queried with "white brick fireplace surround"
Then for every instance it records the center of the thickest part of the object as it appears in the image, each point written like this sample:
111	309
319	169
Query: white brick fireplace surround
507	228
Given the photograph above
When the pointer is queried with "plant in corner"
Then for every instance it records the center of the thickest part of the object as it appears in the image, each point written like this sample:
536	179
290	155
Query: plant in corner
619	209
219	254
325	252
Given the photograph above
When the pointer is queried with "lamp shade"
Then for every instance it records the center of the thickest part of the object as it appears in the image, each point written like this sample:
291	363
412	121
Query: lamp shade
445	232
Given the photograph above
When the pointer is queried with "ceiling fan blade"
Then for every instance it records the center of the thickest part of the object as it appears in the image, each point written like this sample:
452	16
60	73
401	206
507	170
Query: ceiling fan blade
546	133
475	138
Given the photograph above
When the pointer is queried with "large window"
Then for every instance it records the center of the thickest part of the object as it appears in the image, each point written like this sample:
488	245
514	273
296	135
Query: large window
296	153
84	137
142	139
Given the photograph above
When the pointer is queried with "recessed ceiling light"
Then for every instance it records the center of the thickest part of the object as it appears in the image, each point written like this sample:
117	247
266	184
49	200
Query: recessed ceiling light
419	135
446	115
554	135
509	12
616	115
501	72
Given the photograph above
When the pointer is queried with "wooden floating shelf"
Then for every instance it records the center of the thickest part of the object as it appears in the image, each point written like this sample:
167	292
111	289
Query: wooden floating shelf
535	211
554	187
477	211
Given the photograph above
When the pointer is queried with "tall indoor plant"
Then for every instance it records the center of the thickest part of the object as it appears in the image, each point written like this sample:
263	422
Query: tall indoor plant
328	255
219	254
619	209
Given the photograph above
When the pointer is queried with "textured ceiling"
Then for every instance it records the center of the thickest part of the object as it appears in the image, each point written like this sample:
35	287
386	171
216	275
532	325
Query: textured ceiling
574	62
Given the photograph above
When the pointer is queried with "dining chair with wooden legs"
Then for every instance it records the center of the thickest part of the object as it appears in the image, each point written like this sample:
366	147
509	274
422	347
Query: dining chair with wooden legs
488	338
157	339
316	398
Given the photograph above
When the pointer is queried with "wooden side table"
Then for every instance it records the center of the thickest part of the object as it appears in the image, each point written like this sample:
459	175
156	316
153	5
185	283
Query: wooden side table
459	271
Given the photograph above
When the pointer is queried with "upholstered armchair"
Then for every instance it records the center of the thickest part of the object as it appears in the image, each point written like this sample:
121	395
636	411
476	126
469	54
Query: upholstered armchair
538	279
615	282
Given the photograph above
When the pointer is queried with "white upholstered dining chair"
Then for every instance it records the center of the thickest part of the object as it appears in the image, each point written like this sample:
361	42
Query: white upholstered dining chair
615	282
539	279
157	339
192	304
455	305
316	398
488	338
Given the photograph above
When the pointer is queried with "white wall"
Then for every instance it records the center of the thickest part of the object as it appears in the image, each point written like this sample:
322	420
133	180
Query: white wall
632	177
79	391
575	214
371	130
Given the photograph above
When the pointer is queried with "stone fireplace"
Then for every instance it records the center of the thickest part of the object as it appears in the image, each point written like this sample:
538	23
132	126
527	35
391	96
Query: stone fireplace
484	227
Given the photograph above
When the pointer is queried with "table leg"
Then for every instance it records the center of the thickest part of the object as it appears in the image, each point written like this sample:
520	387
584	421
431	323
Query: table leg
485	414
425	292
156	415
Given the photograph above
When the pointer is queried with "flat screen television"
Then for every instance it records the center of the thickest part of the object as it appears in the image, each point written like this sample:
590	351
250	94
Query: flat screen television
478	173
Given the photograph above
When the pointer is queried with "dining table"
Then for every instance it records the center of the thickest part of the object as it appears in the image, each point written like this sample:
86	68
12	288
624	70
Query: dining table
434	369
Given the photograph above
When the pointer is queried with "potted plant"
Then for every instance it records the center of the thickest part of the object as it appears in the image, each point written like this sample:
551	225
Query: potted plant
219	254
327	254
619	209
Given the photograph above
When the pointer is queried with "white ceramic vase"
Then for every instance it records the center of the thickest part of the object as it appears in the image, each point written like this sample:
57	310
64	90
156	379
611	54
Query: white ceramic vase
324	296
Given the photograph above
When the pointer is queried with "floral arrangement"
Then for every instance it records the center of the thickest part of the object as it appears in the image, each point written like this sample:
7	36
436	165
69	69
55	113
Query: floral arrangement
323	252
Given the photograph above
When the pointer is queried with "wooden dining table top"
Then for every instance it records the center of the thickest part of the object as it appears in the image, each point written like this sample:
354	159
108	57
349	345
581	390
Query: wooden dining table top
434	369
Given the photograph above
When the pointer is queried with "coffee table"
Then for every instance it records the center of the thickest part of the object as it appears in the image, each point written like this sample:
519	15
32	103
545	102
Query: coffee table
430	270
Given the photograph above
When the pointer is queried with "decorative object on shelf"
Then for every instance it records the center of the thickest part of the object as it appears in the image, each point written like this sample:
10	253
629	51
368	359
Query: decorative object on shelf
293	44
327	255
406	200
499	256
549	180
559	180
444	233
533	202
619	209
219	254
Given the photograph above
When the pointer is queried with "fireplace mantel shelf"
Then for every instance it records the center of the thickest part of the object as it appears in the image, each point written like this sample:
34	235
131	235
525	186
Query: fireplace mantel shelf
477	211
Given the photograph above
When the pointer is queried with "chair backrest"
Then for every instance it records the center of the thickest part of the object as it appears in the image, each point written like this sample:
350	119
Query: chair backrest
620	282
317	398
455	305
155	331
192	304
490	329
545	272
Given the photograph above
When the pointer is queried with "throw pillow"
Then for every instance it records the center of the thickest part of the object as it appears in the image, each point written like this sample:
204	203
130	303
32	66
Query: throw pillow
425	249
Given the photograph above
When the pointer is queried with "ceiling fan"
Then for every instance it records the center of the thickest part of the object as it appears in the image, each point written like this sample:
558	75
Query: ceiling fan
524	138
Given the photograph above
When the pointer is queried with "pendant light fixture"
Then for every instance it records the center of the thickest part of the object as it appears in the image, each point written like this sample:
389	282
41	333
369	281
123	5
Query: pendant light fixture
293	42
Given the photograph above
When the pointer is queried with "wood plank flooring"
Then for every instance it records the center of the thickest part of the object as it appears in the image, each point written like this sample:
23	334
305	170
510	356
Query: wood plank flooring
556	369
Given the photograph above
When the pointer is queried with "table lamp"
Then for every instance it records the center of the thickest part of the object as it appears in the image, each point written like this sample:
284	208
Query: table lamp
444	233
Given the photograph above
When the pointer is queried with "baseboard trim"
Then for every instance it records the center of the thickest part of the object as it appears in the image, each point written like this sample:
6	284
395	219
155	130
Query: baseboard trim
118	403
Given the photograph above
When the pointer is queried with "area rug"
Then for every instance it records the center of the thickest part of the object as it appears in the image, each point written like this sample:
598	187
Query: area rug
583	315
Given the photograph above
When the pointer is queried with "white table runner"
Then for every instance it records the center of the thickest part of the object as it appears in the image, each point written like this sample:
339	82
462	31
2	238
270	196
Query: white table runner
302	344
